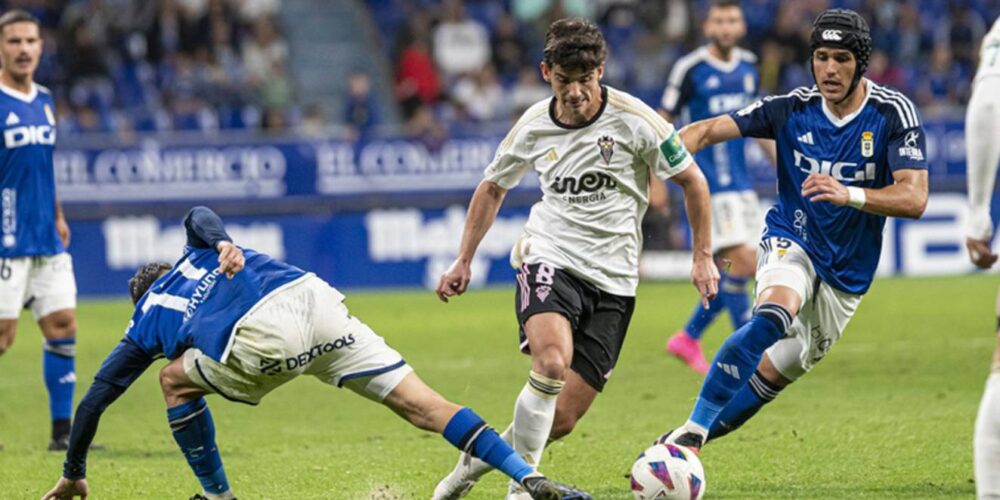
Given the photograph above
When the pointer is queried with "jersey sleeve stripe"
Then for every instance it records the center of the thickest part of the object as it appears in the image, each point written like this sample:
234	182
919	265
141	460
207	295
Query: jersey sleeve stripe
904	120
526	119
907	114
655	121
683	65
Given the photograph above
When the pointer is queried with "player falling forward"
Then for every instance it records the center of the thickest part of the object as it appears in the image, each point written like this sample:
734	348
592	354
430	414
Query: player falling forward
982	128
35	269
244	336
715	79
850	153
595	149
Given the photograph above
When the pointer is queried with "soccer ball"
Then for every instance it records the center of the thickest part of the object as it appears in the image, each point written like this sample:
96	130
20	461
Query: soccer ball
668	471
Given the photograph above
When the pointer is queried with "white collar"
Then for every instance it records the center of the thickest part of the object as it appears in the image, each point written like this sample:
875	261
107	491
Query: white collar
840	122
723	66
21	96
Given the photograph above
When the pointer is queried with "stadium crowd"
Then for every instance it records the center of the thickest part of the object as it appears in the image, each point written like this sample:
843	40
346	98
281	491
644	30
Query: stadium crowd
199	65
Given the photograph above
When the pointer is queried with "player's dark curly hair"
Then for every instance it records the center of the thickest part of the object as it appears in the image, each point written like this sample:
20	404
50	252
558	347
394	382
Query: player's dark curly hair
574	43
144	278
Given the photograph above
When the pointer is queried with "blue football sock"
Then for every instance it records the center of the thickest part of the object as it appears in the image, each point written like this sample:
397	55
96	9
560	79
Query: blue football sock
701	317
59	369
194	432
737	359
733	294
468	432
755	394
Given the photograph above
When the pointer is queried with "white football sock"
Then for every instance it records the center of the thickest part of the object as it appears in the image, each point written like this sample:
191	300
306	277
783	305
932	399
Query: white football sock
986	442
690	426
533	414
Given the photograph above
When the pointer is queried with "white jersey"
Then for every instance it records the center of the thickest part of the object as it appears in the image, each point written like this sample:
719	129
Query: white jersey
595	181
989	54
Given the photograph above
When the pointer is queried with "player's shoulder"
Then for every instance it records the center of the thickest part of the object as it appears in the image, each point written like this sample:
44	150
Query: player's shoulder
744	55
893	104
532	119
684	64
635	112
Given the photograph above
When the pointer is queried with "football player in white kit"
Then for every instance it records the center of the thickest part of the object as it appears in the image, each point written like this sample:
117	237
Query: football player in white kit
982	128
594	148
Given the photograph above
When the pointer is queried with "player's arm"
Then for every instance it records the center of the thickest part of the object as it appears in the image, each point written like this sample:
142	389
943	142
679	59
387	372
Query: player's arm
122	367
704	133
62	227
770	150
907	197
205	230
981	177
482	212
704	274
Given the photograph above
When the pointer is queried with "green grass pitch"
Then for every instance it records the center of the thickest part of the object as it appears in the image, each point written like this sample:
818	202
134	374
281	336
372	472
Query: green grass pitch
889	413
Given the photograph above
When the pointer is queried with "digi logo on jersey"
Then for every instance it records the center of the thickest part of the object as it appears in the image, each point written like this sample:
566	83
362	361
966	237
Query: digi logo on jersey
29	134
590	182
840	170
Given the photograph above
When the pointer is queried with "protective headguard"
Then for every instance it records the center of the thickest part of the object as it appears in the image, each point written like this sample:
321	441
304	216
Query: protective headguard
844	29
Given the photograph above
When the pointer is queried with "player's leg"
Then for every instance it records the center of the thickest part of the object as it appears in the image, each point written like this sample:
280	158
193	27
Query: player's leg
193	428
685	344
13	285
574	401
764	385
733	286
986	439
785	282
52	292
813	334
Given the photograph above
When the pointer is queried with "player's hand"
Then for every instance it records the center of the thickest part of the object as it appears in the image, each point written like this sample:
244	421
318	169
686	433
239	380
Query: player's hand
62	229
980	253
705	277
67	489
231	258
821	187
455	280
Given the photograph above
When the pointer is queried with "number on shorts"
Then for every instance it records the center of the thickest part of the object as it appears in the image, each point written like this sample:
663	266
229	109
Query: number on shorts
5	270
544	274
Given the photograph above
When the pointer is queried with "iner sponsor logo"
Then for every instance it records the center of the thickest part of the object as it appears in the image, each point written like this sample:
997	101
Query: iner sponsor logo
591	182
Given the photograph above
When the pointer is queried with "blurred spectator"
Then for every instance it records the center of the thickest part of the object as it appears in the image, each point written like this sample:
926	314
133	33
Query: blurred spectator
941	82
528	90
417	80
882	70
508	49
479	96
313	122
263	52
427	128
360	110
461	44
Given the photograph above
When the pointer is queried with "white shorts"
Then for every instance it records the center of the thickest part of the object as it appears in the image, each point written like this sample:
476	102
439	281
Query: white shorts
735	219
46	283
822	317
302	329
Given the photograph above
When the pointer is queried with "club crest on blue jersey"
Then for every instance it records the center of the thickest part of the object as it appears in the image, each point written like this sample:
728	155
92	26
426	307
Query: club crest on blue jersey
607	146
867	144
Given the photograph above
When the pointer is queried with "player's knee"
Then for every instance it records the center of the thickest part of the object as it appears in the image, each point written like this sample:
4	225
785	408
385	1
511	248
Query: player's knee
58	326
551	362
168	382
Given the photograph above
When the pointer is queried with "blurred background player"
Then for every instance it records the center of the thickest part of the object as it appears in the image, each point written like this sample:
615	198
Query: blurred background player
982	142
850	154
239	323
714	79
35	269
595	149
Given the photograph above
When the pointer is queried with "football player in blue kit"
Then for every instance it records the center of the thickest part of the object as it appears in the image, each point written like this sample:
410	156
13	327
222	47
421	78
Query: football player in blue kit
850	154
35	269
238	323
715	79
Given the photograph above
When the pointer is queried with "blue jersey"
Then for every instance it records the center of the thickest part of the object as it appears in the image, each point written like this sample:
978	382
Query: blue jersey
701	87
194	305
27	182
862	149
